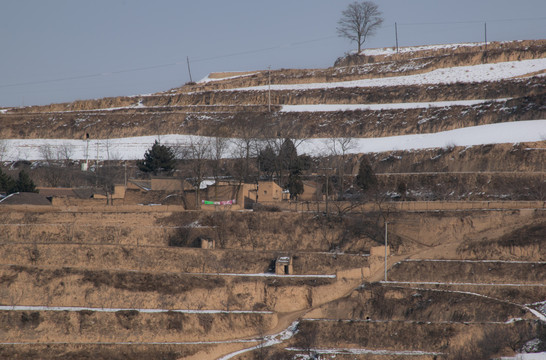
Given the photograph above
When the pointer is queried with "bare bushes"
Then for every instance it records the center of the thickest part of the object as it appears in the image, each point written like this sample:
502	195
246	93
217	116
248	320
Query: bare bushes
524	243
495	340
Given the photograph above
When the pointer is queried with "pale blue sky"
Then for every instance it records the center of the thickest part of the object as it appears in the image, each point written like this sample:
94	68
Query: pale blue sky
64	50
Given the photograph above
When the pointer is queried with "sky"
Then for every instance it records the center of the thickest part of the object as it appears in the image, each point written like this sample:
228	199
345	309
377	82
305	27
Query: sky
64	50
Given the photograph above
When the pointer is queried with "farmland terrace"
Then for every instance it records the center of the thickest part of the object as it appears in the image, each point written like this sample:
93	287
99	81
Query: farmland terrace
463	279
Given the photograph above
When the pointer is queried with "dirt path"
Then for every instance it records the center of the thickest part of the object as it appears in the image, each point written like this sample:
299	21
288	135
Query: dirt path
285	319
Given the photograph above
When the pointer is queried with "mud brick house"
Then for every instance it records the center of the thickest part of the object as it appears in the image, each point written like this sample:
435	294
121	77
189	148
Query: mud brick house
283	265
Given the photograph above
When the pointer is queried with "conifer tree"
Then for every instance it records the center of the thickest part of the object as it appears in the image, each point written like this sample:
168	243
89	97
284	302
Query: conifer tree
24	183
365	179
159	158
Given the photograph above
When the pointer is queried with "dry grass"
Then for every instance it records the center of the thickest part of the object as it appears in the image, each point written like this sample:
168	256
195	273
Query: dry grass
469	272
526	105
527	242
383	302
98	352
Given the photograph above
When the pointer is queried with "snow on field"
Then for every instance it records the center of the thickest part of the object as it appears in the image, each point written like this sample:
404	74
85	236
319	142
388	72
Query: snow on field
376	107
531	356
460	283
133	148
349	351
269	275
207	79
472	261
465	74
409	49
135	342
148	311
268	340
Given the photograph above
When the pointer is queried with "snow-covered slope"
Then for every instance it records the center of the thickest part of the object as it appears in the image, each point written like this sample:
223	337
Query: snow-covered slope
133	148
464	74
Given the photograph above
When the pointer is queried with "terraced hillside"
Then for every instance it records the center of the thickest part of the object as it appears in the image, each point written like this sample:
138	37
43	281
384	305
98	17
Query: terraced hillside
465	279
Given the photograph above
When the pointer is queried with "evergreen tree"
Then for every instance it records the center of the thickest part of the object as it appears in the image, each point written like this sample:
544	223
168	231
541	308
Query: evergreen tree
267	161
24	183
159	158
295	185
6	183
365	178
288	155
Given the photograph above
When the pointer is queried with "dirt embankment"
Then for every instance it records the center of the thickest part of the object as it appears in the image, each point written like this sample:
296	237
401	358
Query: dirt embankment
432	337
517	158
100	351
253	231
360	123
527	104
469	272
363	67
459	55
128	326
172	259
28	285
528	243
385	302
466	186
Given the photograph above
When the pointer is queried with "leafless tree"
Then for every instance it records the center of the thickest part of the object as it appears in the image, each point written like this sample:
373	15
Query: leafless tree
218	148
198	153
338	148
65	153
359	21
53	173
248	129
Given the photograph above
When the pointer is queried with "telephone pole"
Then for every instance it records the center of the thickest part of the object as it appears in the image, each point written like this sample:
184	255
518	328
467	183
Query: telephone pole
269	87
189	70
396	35
386	235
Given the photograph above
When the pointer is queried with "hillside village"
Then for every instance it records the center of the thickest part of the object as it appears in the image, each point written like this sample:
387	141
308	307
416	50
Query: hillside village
391	206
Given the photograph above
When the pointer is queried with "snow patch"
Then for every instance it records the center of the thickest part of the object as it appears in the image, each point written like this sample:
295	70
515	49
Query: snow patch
410	49
207	79
378	107
464	74
349	351
268	340
133	148
147	311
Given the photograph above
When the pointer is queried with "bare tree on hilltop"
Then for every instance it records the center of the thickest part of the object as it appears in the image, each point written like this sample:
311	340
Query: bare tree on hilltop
359	21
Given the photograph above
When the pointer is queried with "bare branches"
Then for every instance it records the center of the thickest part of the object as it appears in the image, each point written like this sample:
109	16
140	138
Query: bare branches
359	21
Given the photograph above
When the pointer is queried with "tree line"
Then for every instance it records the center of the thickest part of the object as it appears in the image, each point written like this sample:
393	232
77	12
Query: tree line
9	185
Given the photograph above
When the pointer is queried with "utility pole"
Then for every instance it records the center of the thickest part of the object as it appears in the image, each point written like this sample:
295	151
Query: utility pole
485	33
189	70
86	151
386	235
269	87
396	35
327	214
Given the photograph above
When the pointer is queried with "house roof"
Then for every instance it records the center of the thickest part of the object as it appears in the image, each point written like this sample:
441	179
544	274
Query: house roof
80	193
143	184
25	198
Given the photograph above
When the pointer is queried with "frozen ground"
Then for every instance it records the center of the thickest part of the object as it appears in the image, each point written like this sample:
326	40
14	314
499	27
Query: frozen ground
148	311
376	107
463	74
409	49
133	148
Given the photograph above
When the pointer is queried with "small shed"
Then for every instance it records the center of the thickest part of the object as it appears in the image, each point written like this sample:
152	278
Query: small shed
283	265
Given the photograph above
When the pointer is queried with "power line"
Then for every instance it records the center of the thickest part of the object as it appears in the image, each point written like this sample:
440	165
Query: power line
473	21
247	52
